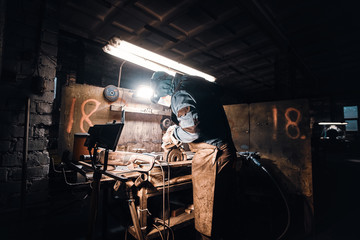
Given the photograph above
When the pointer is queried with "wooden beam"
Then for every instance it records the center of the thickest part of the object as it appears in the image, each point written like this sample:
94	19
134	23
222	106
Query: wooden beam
266	22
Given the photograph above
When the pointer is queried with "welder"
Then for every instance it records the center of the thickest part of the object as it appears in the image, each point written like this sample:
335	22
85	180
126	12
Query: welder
201	122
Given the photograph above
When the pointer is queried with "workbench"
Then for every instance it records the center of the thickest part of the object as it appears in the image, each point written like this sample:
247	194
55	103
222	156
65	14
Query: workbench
146	190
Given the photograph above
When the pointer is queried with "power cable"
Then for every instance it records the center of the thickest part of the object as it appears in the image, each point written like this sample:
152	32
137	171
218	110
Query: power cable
250	156
163	195
120	73
162	237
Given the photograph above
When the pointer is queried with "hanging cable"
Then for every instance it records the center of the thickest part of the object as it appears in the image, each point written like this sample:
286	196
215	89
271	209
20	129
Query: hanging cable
171	230
250	156
163	195
162	237
120	72
164	198
167	226
168	193
168	185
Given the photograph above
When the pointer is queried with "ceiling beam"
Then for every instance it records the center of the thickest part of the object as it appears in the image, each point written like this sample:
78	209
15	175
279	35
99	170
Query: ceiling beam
269	26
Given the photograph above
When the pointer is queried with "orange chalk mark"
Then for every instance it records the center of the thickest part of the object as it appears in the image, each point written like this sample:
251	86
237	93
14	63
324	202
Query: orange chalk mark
84	116
71	116
121	100
292	123
275	121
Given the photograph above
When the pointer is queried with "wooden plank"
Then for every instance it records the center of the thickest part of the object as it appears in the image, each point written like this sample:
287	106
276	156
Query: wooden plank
175	223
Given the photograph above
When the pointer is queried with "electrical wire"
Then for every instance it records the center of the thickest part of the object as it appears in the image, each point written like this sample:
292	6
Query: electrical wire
286	204
168	165
120	73
162	237
163	196
171	230
168	192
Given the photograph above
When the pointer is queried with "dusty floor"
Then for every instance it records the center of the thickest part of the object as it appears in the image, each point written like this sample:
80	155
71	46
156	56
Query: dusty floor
66	214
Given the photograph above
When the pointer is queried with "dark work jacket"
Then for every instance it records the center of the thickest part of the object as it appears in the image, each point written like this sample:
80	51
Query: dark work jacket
203	99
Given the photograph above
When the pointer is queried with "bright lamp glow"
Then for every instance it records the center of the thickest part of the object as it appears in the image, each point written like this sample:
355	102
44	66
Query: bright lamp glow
144	92
150	60
332	123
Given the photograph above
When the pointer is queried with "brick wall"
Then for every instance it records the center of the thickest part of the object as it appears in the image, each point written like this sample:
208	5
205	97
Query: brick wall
29	60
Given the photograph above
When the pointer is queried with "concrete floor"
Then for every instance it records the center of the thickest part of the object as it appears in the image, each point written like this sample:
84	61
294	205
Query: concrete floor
66	214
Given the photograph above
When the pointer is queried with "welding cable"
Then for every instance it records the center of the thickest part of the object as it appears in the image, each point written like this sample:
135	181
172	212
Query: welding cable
168	192
257	163
162	237
171	230
164	194
168	186
168	197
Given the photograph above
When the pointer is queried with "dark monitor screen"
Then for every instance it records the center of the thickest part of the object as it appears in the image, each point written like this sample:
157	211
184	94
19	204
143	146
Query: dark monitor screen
104	135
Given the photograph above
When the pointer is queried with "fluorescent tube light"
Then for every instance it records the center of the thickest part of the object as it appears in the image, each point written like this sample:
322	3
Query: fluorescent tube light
136	59
332	123
150	60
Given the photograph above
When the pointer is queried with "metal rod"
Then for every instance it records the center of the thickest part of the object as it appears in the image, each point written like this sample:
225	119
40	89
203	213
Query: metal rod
106	159
105	212
135	219
120	72
25	156
94	205
116	177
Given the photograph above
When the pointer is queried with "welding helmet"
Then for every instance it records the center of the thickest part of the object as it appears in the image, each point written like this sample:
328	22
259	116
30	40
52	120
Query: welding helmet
161	83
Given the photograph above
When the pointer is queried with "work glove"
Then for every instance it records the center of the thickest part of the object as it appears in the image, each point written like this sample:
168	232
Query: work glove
169	140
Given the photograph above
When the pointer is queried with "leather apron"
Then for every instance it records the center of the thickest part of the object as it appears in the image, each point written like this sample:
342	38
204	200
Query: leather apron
207	164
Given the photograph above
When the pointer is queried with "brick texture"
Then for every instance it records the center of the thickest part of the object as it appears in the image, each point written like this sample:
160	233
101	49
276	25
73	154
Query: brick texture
24	57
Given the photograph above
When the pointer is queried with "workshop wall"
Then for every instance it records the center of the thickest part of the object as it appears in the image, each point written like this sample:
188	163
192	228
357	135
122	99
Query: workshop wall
85	105
288	138
29	50
280	133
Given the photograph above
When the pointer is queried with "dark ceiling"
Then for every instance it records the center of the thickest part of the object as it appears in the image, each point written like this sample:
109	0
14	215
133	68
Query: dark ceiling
259	50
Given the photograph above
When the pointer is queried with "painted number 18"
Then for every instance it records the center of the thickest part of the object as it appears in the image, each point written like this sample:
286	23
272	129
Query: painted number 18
292	119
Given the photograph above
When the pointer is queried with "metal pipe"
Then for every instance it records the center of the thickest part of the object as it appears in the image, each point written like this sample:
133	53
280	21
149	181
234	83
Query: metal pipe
120	72
135	219
25	156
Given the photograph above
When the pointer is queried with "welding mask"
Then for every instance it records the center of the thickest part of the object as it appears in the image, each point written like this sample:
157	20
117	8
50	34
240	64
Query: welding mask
161	83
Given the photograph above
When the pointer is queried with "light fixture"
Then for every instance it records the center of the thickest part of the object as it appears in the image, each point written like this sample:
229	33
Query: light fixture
150	60
143	92
332	123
